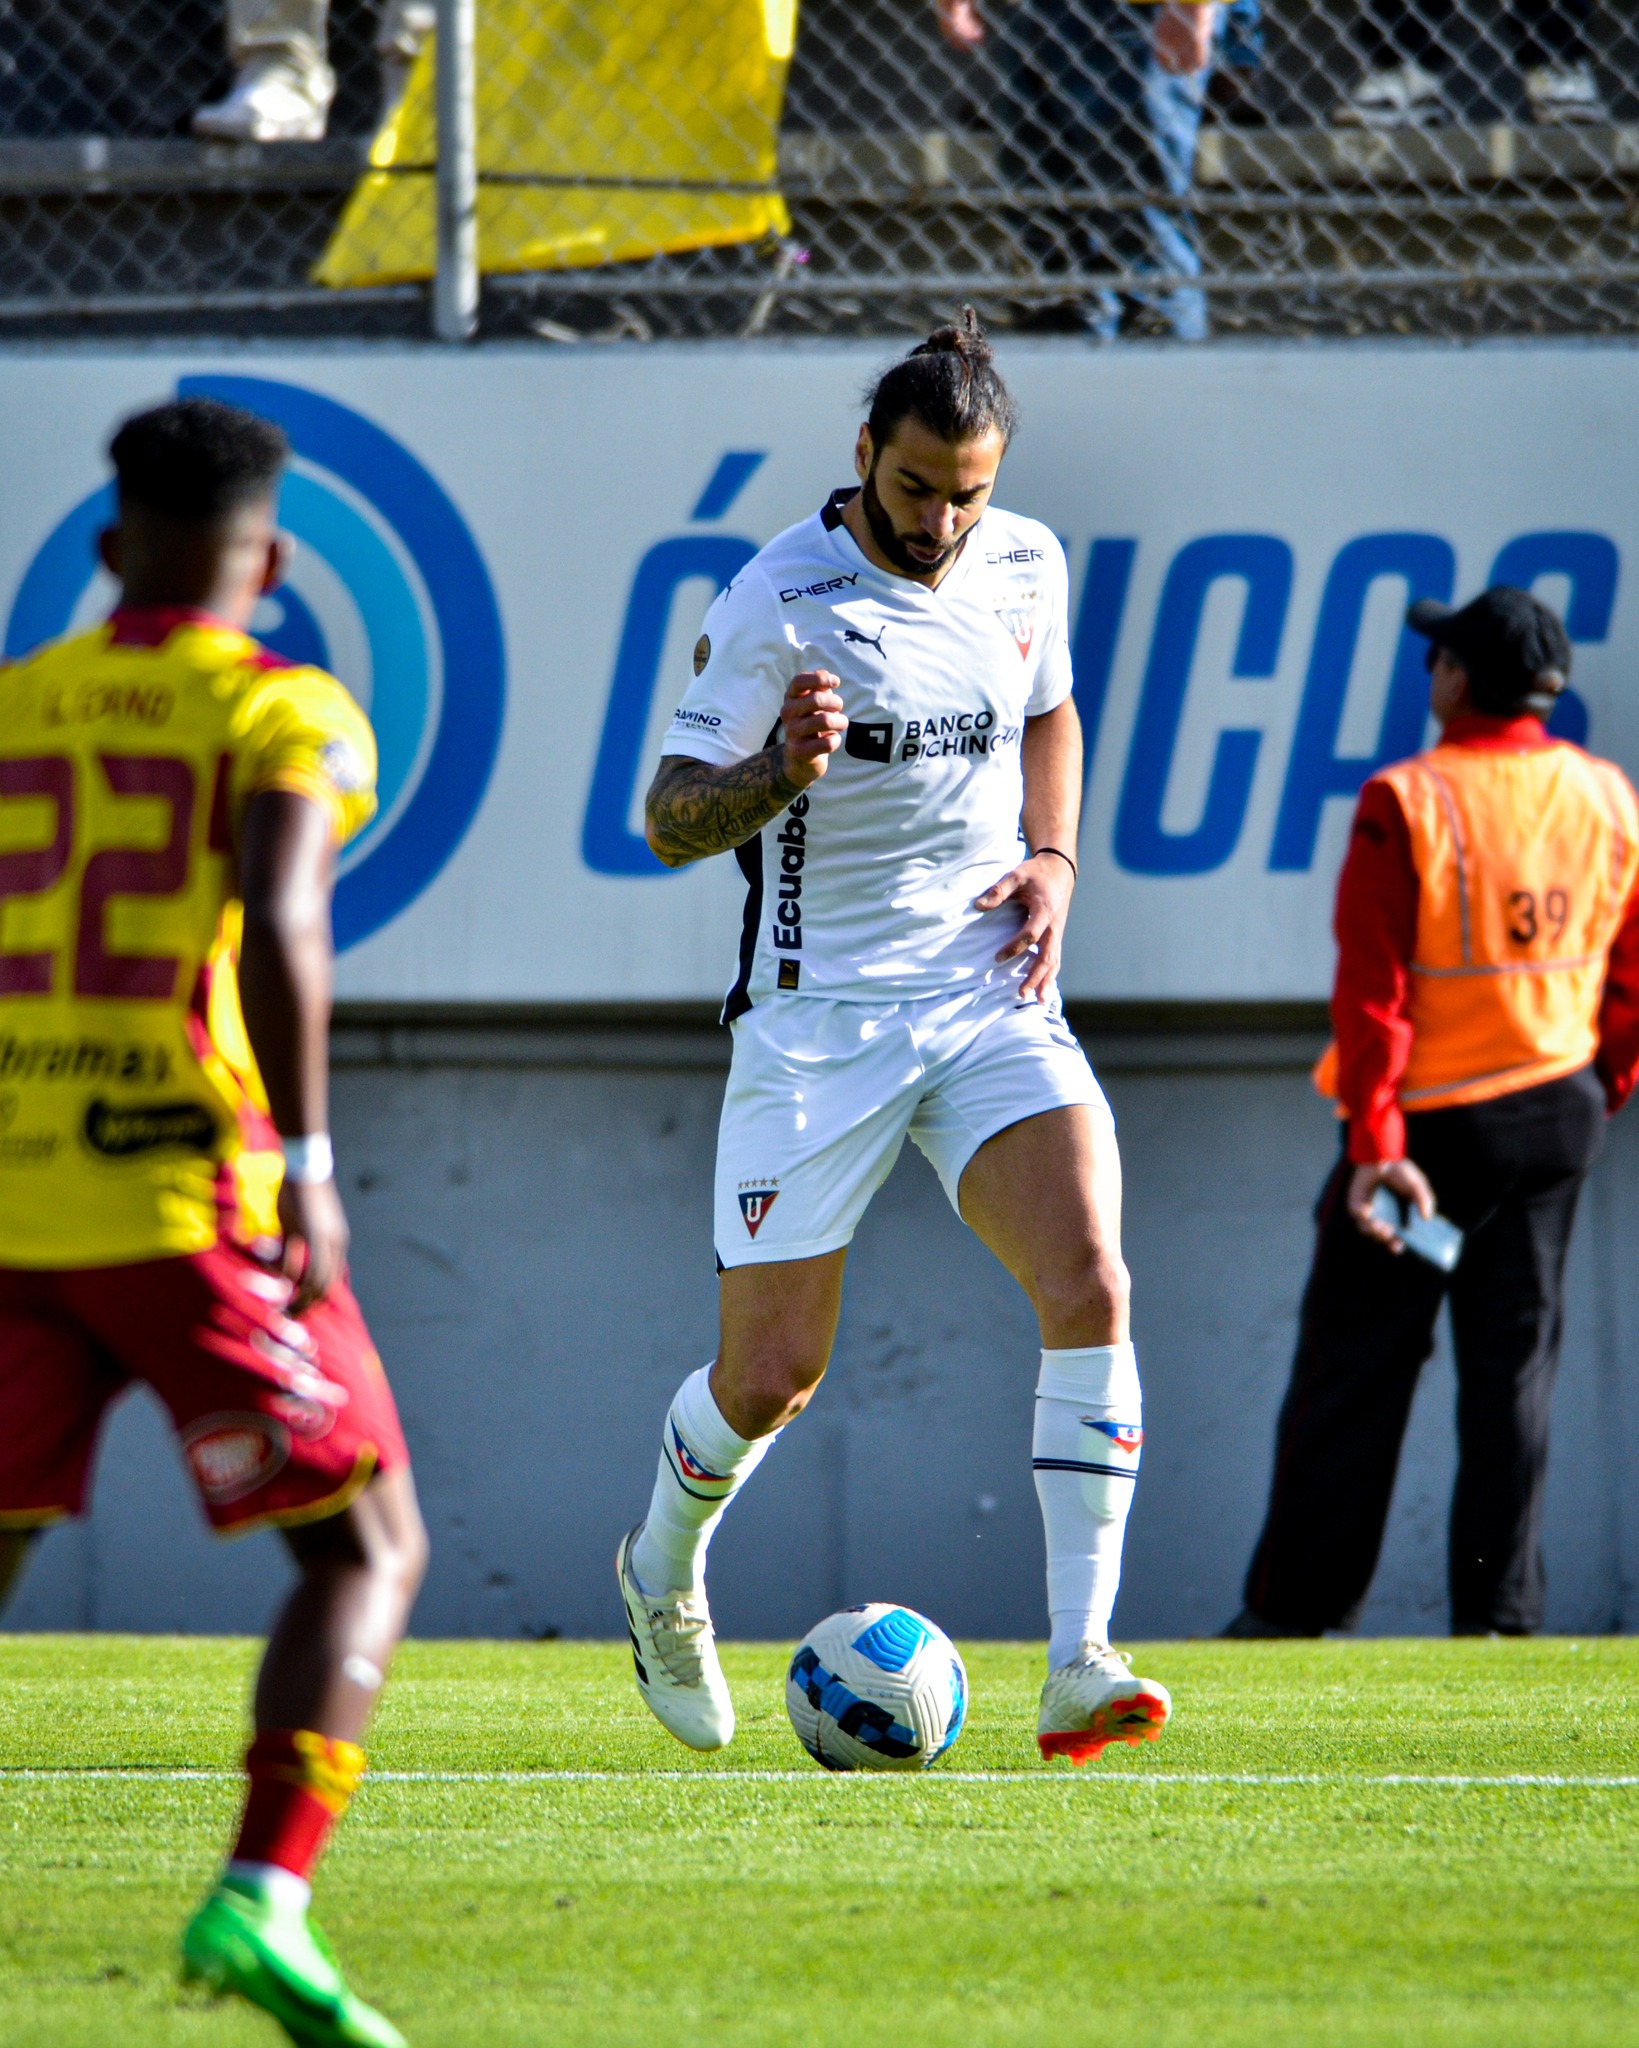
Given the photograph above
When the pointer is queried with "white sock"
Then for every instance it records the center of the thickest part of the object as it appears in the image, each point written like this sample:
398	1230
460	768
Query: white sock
1089	1430
703	1465
281	1888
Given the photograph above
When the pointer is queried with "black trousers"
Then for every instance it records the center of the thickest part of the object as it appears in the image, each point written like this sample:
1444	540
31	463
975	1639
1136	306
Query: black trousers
1509	1172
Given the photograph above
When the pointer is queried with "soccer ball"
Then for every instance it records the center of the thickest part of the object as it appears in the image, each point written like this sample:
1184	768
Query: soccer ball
876	1688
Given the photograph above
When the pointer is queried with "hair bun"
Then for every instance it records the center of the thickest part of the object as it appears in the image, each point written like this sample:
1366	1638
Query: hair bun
949	382
966	339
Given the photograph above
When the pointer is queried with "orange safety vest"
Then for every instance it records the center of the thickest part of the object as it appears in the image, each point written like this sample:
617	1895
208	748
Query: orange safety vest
1525	862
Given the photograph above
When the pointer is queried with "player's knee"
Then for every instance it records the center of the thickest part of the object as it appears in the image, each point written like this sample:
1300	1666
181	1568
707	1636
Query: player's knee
381	1532
784	1383
400	1548
772	1387
412	1551
793	1395
1091	1291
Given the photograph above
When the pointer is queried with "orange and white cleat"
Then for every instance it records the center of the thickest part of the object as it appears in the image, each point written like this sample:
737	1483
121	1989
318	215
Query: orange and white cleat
1095	1700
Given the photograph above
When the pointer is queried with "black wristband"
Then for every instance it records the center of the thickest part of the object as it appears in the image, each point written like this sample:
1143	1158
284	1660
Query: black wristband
1063	856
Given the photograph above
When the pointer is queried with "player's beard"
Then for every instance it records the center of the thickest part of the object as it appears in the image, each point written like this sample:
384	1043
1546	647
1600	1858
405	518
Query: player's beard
893	543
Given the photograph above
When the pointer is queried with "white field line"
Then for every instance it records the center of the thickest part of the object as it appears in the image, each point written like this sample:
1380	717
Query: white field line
1510	1781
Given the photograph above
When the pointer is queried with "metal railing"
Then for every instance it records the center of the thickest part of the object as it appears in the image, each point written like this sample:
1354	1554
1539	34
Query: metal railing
586	169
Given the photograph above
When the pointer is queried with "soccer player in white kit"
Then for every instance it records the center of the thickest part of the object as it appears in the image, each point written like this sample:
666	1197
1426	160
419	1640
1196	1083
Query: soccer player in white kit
881	728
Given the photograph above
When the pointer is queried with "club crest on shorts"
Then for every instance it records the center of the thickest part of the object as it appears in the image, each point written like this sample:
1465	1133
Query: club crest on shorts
755	1204
233	1454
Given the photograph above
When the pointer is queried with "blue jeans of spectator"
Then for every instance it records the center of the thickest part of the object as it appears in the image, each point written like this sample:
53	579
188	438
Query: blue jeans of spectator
1085	108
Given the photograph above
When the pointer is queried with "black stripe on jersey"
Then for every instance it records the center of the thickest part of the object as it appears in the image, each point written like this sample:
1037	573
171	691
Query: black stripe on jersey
831	510
750	857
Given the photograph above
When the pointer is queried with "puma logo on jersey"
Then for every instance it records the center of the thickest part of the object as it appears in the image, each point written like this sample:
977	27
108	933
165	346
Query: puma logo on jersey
865	639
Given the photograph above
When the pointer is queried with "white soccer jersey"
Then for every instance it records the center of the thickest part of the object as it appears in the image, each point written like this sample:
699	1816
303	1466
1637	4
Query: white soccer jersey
864	888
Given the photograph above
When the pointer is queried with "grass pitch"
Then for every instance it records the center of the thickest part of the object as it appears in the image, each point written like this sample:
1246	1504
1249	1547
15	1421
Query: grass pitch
1336	1844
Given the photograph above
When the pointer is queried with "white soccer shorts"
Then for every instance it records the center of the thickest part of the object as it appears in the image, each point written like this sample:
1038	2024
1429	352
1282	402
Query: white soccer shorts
822	1094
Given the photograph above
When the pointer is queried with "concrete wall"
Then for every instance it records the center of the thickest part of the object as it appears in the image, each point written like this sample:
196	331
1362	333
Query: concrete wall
531	1222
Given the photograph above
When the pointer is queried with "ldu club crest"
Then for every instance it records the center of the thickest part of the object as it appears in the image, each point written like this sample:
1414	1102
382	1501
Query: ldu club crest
1019	618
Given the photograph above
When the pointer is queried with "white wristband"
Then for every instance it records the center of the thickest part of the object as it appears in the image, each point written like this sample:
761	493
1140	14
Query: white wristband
309	1160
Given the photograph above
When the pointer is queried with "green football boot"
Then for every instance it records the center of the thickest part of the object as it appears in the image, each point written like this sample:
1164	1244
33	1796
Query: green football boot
280	1961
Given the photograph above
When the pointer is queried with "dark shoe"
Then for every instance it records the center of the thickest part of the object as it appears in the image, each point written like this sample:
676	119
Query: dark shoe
1232	99
1248	1627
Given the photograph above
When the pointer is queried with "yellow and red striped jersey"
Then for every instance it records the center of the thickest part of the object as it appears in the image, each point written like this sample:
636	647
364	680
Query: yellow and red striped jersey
132	1120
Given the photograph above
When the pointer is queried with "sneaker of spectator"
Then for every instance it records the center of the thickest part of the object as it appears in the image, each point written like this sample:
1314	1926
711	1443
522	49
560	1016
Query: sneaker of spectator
1405	96
1563	96
273	100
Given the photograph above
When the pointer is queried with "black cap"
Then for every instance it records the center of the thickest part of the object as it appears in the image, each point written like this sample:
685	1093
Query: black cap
1514	648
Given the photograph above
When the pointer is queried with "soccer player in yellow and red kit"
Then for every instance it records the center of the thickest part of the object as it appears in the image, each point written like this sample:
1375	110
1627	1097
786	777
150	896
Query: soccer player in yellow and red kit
171	799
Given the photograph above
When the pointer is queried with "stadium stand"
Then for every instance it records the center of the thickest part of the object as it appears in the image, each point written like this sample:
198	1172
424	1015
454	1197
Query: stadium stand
1323	198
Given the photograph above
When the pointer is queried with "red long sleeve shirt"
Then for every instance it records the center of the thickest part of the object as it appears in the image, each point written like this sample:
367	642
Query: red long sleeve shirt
1375	923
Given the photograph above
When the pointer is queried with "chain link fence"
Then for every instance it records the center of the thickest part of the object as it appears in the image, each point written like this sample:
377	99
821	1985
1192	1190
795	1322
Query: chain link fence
655	168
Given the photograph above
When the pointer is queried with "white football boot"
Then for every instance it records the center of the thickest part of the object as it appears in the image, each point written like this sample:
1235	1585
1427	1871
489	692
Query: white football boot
1405	96
271	101
1564	96
675	1652
1095	1700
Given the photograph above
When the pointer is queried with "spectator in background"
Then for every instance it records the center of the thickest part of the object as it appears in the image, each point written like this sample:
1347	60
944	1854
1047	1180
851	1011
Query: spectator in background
1231	93
1403	85
284	83
1486	1008
1104	94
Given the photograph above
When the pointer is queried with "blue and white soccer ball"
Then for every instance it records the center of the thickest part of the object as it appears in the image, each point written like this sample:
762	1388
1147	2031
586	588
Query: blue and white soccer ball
876	1688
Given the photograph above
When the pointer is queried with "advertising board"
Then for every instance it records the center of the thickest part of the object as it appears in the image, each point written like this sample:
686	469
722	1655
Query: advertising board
506	556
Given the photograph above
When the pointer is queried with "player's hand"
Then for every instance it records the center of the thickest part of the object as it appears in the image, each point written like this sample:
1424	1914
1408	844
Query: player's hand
1408	1181
1183	36
812	723
1041	886
315	1231
960	23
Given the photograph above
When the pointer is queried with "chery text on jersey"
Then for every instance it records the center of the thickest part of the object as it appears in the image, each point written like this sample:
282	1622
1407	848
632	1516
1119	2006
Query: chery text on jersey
864	888
127	1087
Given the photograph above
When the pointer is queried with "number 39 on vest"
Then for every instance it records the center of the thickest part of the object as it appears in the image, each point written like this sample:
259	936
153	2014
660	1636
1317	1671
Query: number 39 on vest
1525	862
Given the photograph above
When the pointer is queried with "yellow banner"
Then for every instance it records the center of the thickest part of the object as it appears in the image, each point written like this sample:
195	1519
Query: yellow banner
652	125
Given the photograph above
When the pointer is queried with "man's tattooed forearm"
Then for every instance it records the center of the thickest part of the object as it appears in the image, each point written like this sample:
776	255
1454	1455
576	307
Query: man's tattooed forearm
694	809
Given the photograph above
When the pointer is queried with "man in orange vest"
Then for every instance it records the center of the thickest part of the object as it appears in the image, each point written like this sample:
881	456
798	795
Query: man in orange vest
1486	1010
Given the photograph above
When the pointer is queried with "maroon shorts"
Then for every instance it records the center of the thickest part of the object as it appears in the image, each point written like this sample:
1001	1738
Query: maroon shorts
280	1421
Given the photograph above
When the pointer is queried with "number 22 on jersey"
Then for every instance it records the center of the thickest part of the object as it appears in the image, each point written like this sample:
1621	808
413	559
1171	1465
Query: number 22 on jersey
130	836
